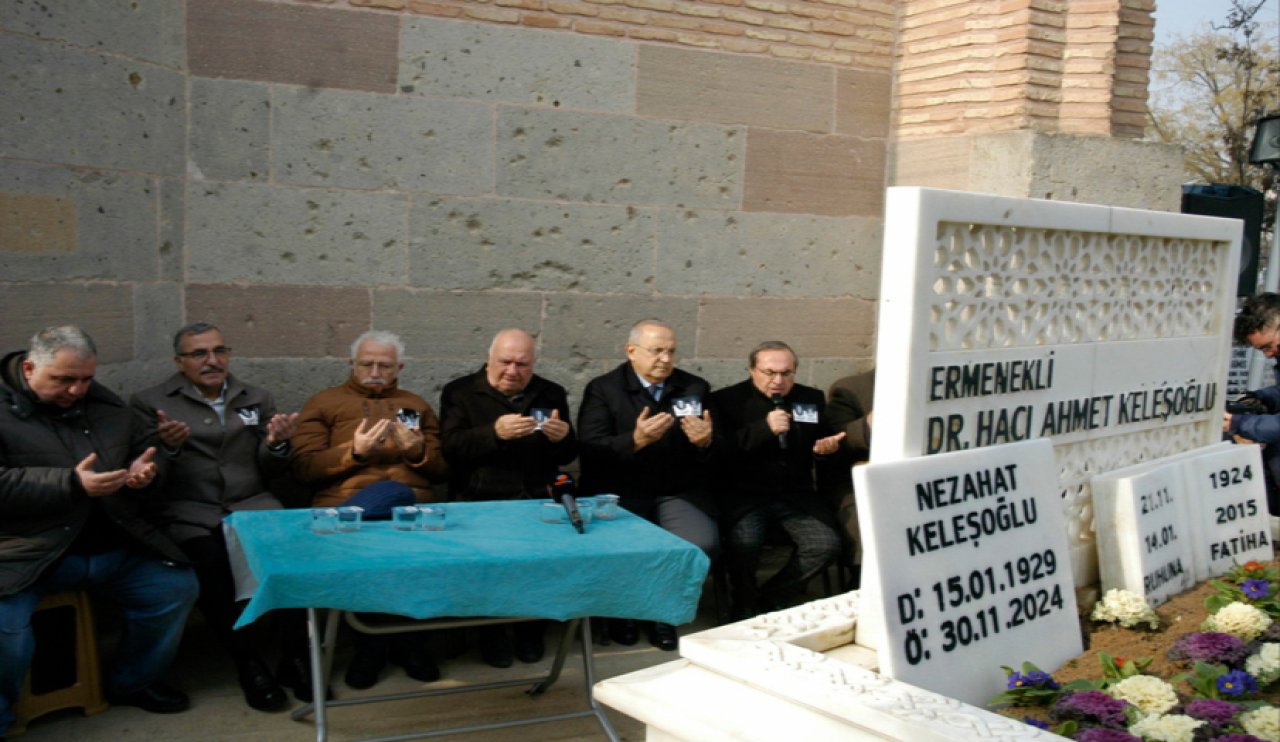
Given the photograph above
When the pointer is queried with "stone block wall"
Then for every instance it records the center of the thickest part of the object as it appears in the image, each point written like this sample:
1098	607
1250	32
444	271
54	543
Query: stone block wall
298	172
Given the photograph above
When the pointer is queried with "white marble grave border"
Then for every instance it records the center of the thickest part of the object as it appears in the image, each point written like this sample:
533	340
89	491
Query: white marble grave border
804	658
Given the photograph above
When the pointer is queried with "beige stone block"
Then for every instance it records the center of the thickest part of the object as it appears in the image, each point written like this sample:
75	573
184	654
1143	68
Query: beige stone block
765	35
809	174
732	89
267	321
624	15
572	7
441	10
35	223
662	5
934	163
785	52
297	45
104	311
494	15
742	16
810	10
652	34
544	21
694	9
832	328
599	29
744	46
522	4
863	103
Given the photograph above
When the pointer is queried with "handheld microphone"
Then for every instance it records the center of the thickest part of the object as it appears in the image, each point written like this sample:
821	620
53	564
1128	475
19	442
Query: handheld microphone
561	490
571	507
777	405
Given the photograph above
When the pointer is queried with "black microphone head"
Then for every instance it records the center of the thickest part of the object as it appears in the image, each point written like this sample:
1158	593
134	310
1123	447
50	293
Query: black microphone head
776	399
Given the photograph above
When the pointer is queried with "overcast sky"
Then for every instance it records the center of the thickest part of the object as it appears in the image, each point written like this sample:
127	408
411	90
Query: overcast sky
1184	17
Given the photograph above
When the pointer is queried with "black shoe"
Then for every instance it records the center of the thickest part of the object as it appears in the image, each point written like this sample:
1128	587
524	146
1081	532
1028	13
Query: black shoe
663	636
294	672
261	691
157	698
417	664
495	647
624	631
530	649
364	669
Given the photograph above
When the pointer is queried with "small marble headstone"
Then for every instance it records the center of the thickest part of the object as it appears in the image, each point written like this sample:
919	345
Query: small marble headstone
970	557
1227	505
1145	542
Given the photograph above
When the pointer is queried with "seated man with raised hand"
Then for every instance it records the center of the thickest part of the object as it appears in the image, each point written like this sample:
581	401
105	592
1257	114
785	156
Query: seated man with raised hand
779	434
70	465
1257	416
221	442
370	440
499	449
658	459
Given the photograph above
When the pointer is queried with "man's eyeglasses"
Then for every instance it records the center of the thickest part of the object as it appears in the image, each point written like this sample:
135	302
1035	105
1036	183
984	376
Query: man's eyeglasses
199	354
659	352
771	374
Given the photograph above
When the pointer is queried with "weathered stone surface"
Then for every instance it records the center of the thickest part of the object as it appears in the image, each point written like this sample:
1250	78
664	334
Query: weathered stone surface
734	89
37	223
230	130
356	140
573	375
716	252
941	162
150	30
104	311
266	234
427	376
804	173
835	328
437	324
595	327
719	372
157	314
492	63
611	159
282	320
863	103
1102	170
309	46
138	115
292	381
173	195
823	372
505	244
115	225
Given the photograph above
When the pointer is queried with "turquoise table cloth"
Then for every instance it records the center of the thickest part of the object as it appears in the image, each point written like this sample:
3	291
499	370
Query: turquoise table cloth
492	559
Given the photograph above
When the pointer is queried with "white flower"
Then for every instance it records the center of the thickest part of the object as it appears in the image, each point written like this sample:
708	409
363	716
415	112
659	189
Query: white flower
1126	608
1151	695
1265	665
1263	723
1170	728
1240	620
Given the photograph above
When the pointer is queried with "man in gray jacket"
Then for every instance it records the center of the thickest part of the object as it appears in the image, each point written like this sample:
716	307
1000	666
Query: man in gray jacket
220	443
70	464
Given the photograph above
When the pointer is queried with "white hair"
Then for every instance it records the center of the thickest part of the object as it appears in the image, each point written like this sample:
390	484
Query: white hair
493	344
380	337
638	329
47	342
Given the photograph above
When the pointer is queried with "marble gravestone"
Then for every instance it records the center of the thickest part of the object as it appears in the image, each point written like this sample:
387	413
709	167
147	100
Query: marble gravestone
1227	507
1145	542
971	553
1105	330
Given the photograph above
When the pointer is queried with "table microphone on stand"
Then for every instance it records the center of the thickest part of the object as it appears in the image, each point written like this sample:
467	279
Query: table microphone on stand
561	490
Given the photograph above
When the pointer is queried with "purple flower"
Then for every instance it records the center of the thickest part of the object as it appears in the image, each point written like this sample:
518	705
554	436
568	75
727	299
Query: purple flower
1035	722
1209	646
1033	679
1101	734
1255	588
1221	713
1237	738
1271	633
1237	683
1090	707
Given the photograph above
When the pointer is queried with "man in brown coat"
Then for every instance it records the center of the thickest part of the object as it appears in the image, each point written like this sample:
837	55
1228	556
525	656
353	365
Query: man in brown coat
369	437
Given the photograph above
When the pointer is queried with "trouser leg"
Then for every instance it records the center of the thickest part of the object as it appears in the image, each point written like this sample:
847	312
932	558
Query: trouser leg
816	545
687	521
745	540
17	647
154	598
217	601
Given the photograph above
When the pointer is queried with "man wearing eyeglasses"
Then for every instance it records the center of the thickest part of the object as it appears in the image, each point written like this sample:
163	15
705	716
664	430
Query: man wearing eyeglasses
1257	415
221	442
779	433
646	432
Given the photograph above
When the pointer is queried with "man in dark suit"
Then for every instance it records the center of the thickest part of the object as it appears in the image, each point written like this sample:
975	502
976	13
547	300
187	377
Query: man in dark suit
634	443
505	433
779	434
